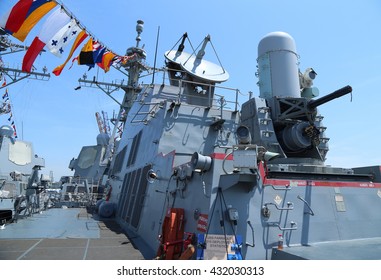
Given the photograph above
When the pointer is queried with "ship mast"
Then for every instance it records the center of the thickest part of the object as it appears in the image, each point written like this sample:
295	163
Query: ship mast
15	75
134	66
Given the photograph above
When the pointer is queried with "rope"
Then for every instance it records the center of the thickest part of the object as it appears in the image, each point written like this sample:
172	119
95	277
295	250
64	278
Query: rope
82	26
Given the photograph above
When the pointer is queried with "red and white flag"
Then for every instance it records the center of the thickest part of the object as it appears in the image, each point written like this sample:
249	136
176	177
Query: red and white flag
53	24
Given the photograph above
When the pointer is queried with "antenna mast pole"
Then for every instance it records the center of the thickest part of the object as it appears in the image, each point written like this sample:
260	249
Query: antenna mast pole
154	63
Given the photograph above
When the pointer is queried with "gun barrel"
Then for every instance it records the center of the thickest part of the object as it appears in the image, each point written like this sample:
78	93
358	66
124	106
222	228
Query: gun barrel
336	94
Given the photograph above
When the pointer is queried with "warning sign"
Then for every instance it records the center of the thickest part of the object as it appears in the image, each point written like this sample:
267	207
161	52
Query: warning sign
202	223
218	246
278	199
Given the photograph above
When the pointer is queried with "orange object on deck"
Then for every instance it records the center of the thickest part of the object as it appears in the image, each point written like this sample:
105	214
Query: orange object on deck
172	234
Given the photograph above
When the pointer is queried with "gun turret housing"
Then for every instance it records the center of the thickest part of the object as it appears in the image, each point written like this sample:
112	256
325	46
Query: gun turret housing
283	119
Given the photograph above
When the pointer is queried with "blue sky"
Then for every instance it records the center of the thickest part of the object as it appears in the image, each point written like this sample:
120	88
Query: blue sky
340	39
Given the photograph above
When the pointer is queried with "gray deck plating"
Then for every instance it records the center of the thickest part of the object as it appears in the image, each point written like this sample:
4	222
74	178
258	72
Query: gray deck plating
360	249
65	234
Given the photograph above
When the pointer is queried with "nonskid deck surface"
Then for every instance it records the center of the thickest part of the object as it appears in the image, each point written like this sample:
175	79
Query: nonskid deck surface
65	234
358	249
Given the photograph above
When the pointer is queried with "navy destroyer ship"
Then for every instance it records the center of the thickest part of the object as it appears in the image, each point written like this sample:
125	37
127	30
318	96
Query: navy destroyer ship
21	186
197	175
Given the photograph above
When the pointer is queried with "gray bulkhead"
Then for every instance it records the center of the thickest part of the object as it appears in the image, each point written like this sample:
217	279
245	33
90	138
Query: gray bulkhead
169	135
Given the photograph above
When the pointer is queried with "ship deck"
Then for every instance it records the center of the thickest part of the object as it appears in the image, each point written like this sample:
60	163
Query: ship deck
66	234
360	249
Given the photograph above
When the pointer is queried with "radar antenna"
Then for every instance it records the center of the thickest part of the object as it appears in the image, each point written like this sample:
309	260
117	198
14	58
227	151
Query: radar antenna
203	69
195	65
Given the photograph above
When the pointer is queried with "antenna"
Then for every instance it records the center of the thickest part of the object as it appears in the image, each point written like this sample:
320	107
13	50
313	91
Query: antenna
201	52
139	29
205	70
154	63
